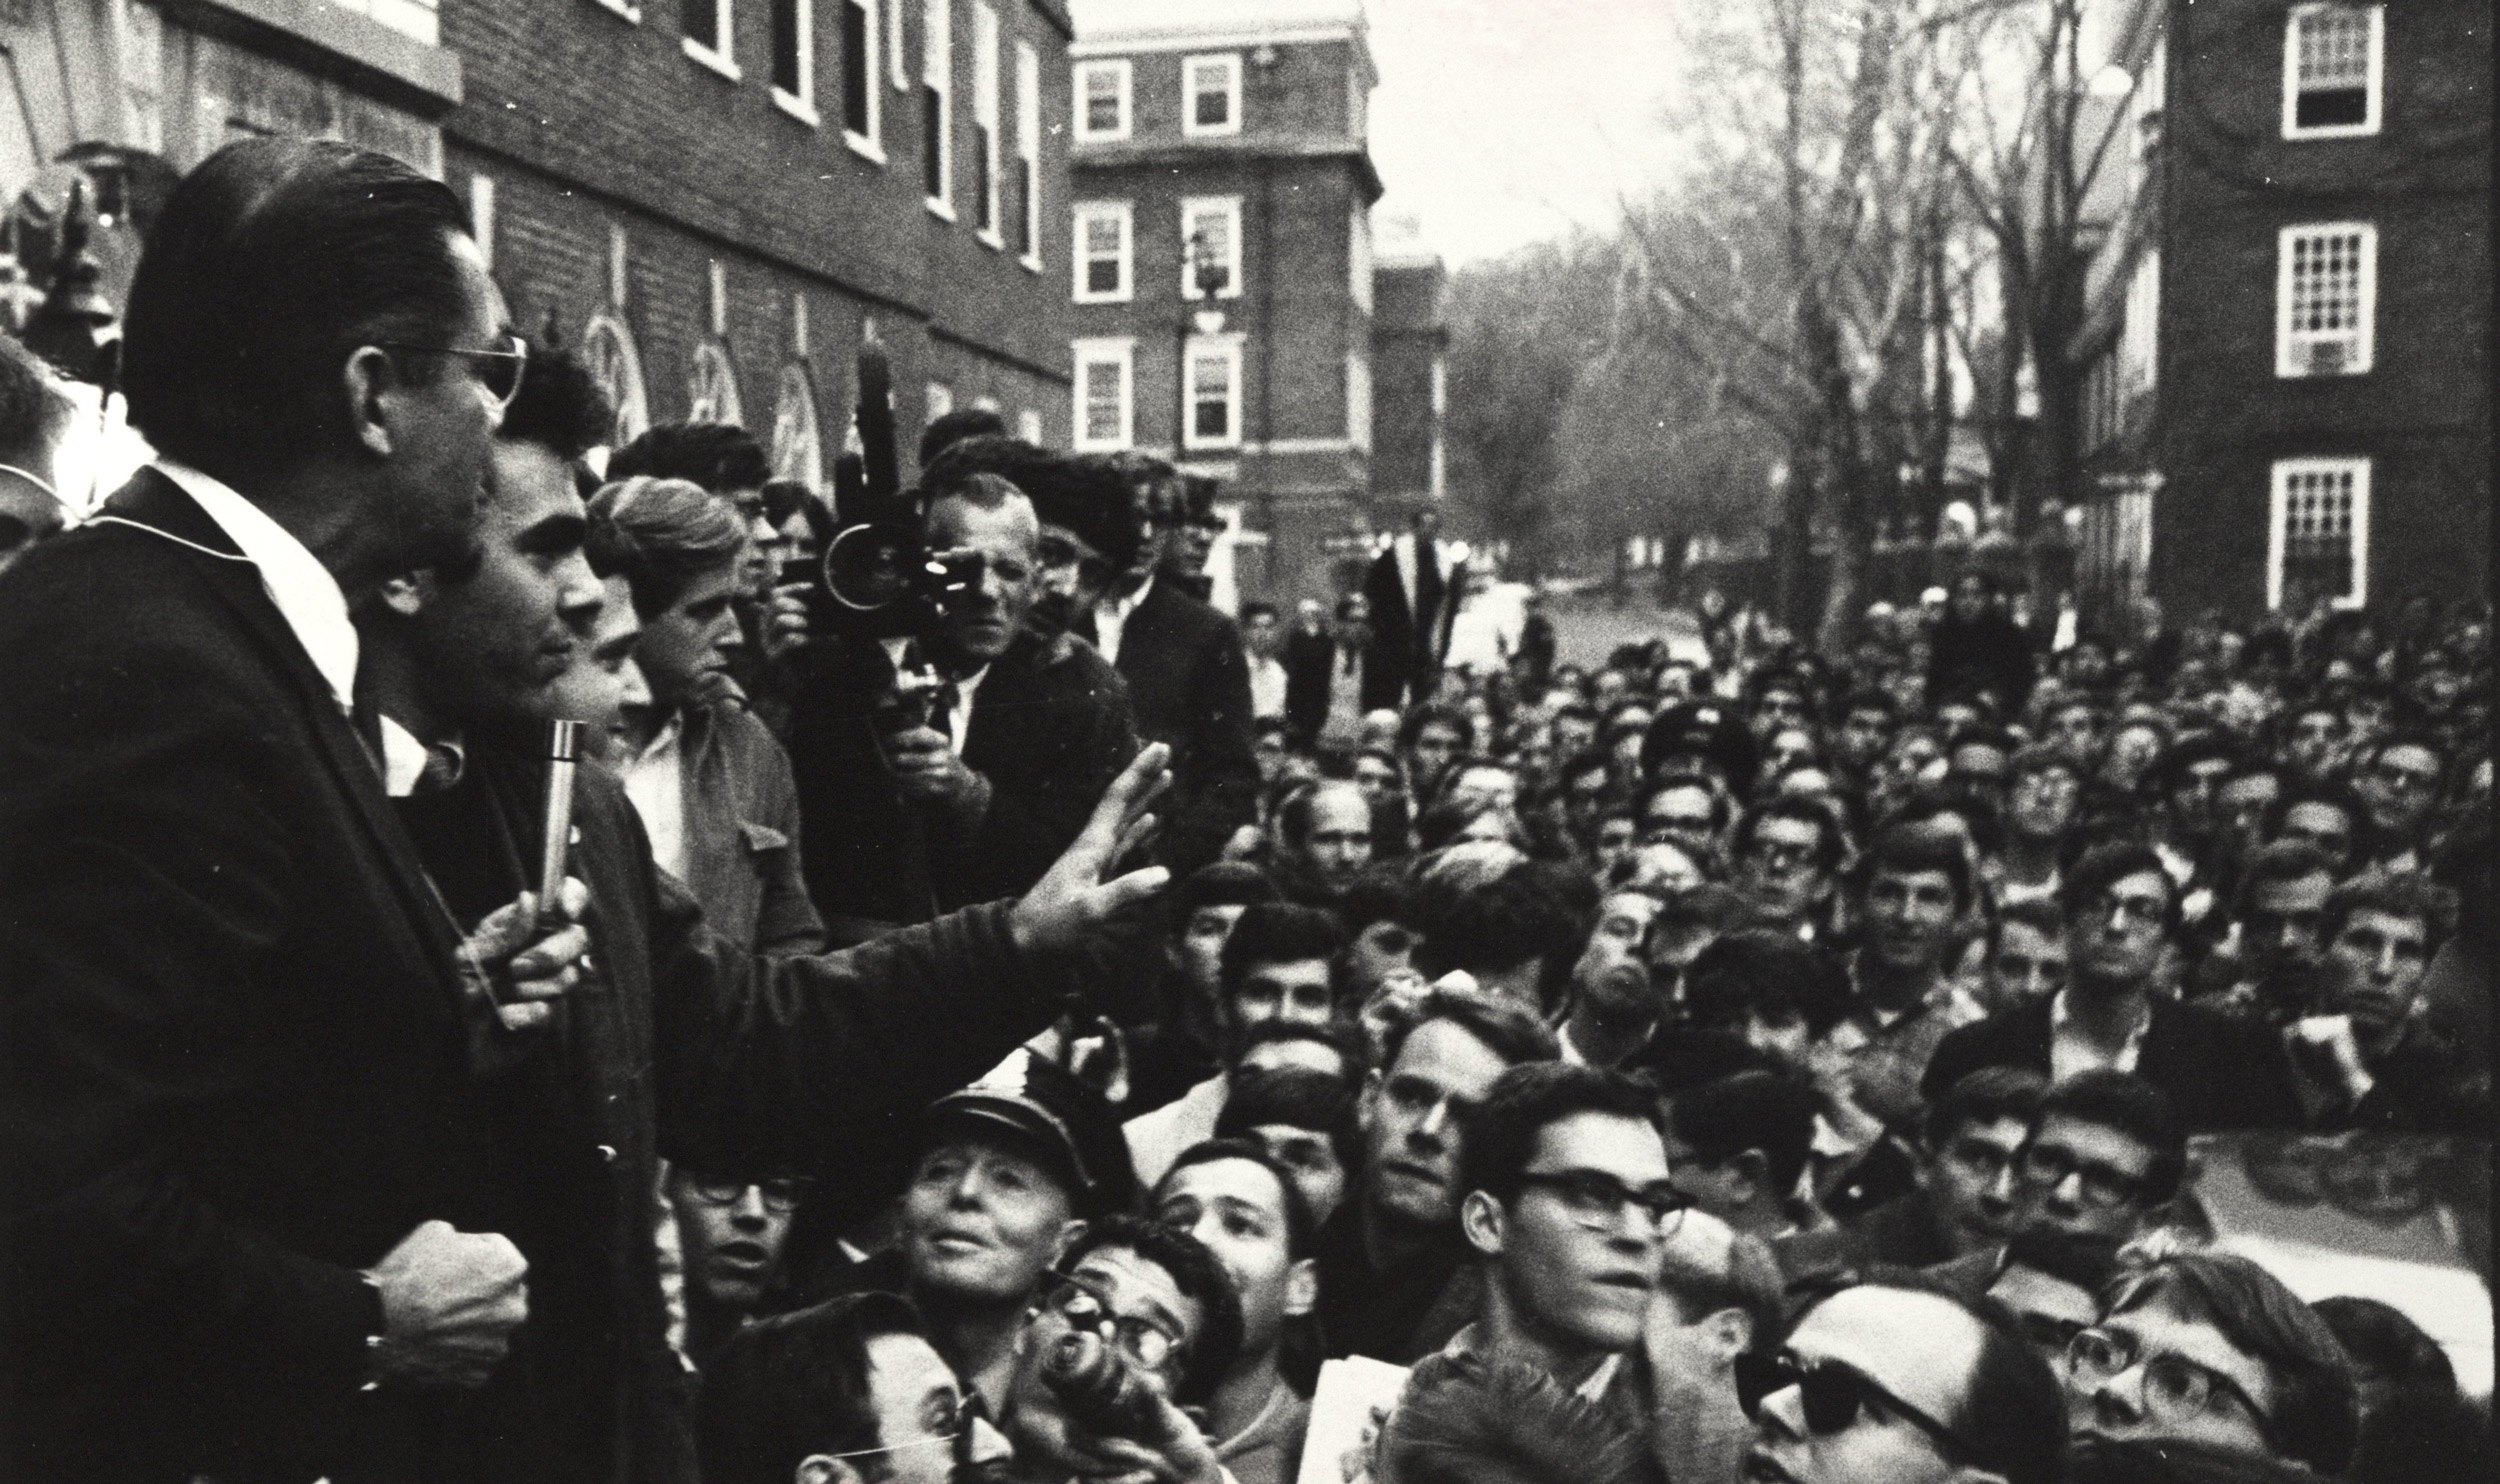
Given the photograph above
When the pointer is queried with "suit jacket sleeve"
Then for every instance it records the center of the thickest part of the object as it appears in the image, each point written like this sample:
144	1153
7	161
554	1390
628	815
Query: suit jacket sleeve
147	890
786	920
822	1059
1226	796
1032	820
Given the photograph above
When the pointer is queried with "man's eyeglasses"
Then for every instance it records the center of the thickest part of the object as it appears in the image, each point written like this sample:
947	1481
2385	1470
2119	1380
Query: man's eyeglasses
2176	1389
498	370
1597	1200
2046	1166
1141	1340
2131	912
2405	780
781	1197
1774	855
1833	1395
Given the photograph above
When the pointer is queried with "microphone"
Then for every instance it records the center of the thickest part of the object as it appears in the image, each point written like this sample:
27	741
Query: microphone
556	812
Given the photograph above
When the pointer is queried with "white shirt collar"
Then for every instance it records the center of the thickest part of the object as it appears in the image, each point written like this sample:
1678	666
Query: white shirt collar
1128	605
2063	1048
404	758
306	595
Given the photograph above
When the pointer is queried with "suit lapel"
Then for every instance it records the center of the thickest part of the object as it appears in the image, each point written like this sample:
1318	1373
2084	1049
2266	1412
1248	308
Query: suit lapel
152	500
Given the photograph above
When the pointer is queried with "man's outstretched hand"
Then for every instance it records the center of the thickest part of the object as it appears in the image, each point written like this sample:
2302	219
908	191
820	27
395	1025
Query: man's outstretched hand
1073	900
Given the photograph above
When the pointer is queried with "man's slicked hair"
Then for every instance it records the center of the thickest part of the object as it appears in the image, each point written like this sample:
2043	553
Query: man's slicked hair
1499	1135
1985	1096
1278	933
559	407
718	456
793	1385
1504	1026
270	264
661	534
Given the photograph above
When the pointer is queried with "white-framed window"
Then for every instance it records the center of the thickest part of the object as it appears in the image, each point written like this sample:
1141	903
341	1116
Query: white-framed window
1105	394
861	103
985	86
2333	69
794	58
1219	218
1102	99
1214	392
1211	94
1028	213
2139	333
2326	292
1359	256
1358	397
2318	534
482	216
709	26
1029	425
937	105
1105	252
940	399
896	67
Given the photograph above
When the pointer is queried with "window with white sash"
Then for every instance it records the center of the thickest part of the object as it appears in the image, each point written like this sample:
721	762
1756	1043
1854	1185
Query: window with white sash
2326	292
2318	534
2333	70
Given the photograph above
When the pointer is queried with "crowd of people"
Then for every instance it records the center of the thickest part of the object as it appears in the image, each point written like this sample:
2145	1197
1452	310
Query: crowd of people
1034	1042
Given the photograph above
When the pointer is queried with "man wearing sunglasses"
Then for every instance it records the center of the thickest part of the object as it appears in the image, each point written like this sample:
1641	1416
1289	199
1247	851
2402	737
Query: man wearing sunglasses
1162	1304
845	1392
1567	1210
2210	1350
1902	1380
2122	910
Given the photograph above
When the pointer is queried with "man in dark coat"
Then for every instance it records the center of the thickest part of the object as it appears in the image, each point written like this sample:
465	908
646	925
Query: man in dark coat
1977	648
684	1044
1412	606
1022	738
2219	1072
246	1152
1310	653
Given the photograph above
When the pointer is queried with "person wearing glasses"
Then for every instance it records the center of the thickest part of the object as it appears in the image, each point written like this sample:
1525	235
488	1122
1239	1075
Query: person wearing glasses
844	1392
260	1111
2122	909
1902	1379
730	1229
2209	1351
1161	1303
1244	1205
1960	1201
1787	855
2398	780
2041	808
1567	1209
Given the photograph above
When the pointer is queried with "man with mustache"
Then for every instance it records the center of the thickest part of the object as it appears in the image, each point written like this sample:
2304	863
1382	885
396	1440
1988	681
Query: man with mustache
1393	1283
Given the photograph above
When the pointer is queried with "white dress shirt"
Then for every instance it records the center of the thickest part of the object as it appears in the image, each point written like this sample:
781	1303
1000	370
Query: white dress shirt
1111	619
2070	1055
958	719
1267	686
655	779
305	593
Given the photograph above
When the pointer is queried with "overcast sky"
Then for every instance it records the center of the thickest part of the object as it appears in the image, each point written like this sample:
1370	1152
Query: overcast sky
1502	122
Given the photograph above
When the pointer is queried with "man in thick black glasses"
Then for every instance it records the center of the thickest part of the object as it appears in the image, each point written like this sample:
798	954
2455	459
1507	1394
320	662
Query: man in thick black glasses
2207	1350
1901	1380
1567	1209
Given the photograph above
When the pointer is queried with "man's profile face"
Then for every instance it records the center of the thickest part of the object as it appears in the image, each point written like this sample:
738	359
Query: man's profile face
493	642
2381	958
1612	975
605	678
442	426
1912	914
986	619
2028	965
1967	1181
982	1221
1917	1346
1073	572
1410	1120
919	1405
1583	1276
686	644
2082	1179
1201	948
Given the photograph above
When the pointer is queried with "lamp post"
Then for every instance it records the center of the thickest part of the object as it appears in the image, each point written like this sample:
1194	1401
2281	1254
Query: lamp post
1206	271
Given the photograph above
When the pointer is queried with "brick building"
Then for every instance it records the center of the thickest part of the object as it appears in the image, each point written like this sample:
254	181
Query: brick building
1238	125
2289	319
716	200
1410	382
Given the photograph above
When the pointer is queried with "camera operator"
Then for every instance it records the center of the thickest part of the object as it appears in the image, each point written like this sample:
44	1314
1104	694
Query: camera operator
1020	737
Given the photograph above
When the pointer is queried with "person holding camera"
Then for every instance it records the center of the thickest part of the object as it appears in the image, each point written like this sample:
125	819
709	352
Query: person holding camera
986	784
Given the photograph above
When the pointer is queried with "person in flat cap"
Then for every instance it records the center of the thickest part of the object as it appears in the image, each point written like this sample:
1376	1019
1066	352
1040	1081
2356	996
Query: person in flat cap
1010	1172
1708	735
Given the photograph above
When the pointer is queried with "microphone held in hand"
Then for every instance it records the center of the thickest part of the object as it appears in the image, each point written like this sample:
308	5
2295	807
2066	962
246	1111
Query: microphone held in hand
556	813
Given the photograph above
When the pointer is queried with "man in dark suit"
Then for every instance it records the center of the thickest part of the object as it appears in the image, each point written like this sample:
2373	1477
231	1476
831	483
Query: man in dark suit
1021	739
247	1168
2219	1072
1309	652
1412	605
